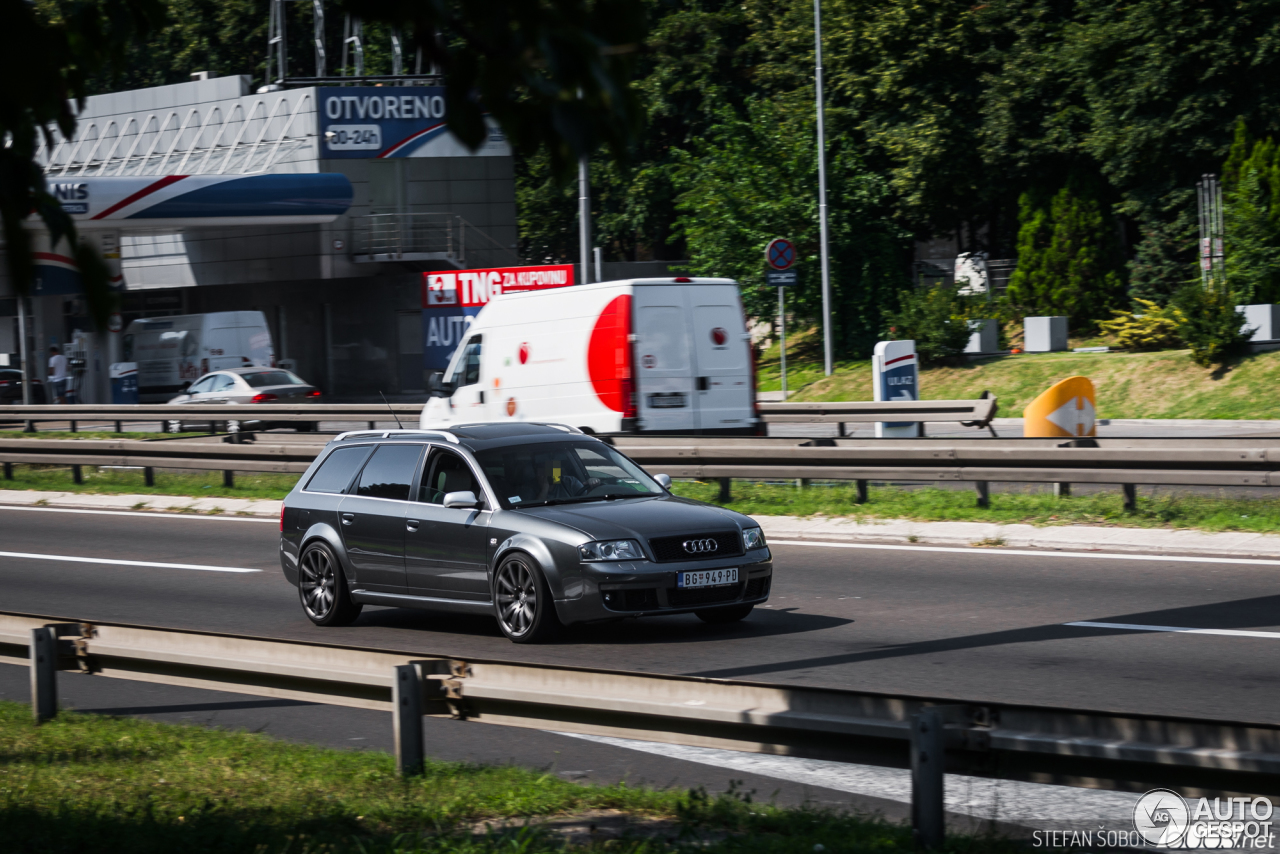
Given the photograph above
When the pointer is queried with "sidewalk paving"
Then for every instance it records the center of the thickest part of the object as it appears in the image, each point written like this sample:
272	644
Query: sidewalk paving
815	528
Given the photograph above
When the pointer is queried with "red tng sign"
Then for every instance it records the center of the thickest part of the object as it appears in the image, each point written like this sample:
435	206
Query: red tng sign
473	288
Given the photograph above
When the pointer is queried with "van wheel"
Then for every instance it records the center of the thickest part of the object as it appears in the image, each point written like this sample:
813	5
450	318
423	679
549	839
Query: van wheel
717	616
322	588
522	601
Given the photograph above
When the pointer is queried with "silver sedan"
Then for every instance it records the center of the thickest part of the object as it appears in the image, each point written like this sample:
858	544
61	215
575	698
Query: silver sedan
248	386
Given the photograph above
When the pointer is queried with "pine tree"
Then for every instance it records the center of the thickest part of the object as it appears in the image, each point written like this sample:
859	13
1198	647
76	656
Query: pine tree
1068	258
1251	181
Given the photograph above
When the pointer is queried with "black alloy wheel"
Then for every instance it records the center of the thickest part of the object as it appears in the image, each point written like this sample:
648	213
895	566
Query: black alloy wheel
322	588
522	601
716	616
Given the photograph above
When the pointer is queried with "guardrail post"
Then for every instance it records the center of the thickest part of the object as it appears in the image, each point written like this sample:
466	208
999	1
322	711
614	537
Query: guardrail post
119	427
928	761
1062	490
1130	497
229	479
984	492
840	430
802	483
725	490
8	471
44	673
406	698
77	474
862	492
373	425
73	427
148	475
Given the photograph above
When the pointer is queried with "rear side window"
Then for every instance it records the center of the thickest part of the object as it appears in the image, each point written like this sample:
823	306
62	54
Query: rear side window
338	468
266	379
390	472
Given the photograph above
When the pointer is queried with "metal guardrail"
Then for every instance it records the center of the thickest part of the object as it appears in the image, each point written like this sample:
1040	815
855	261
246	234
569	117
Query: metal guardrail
407	412
1079	747
975	413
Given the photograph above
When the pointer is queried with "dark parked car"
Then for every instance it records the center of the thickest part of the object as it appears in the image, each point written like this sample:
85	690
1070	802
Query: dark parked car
11	388
537	524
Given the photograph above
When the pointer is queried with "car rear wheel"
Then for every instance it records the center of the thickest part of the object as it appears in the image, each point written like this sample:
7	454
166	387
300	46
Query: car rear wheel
322	588
522	601
724	615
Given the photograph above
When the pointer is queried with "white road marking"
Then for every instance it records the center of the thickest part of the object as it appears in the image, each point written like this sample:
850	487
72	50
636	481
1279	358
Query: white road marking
980	797
1029	552
103	560
154	514
1133	627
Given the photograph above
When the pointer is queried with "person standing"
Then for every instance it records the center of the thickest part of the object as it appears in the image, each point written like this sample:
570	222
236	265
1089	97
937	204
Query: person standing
58	375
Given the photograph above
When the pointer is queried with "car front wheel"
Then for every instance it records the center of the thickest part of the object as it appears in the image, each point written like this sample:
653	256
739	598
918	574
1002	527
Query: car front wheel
522	601
322	588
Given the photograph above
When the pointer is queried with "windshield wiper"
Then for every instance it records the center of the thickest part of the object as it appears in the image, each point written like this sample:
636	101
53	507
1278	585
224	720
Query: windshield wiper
550	502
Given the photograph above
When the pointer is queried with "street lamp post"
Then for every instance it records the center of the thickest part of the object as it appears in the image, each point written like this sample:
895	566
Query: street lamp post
822	192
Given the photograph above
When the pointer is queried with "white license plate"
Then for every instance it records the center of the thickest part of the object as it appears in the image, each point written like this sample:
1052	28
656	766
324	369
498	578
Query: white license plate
707	578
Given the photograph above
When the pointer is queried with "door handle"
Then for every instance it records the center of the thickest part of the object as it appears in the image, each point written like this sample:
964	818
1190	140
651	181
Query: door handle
482	397
411	524
348	518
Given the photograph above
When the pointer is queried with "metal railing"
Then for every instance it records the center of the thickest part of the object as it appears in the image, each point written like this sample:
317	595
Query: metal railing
426	237
977	737
356	412
973	413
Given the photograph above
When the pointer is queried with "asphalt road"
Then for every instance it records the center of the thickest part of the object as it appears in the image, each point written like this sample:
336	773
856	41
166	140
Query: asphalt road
970	624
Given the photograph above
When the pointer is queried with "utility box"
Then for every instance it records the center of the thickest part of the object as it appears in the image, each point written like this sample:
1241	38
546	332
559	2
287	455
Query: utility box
984	337
124	382
1264	320
1044	334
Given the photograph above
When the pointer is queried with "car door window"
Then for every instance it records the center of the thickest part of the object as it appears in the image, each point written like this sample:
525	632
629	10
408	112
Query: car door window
202	385
390	472
467	371
223	382
338	469
446	472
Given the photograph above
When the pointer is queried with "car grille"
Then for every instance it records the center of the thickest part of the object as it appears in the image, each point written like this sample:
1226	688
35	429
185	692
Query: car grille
678	598
667	549
757	587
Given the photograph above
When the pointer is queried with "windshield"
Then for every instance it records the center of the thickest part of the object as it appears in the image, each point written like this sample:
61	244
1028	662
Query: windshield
563	473
263	379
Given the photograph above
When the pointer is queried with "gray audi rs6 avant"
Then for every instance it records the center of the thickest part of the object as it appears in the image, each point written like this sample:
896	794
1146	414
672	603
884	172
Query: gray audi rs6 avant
537	524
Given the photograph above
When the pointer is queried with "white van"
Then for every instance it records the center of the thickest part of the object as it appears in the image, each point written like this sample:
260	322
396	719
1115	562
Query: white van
172	352
644	355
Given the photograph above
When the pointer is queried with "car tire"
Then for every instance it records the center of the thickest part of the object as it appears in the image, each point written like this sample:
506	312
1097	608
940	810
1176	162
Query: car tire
322	588
717	616
522	601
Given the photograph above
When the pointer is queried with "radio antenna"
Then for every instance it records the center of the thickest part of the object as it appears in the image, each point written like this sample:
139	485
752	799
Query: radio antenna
393	412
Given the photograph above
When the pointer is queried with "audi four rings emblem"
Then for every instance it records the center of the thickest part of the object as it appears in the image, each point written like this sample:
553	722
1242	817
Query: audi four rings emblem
700	547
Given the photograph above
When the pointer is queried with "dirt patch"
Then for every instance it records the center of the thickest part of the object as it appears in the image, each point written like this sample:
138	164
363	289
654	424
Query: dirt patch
595	826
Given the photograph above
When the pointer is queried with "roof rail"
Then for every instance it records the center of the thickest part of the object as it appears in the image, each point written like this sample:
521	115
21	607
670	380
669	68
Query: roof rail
389	434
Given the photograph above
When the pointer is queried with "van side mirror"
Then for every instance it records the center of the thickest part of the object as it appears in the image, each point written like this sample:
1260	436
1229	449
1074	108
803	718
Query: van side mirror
186	386
437	387
466	499
664	480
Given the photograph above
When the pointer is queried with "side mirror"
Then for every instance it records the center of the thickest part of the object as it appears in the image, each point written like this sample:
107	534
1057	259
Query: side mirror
437	387
664	480
465	499
186	386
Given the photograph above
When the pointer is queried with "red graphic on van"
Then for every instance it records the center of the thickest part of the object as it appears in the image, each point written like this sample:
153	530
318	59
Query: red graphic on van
719	335
511	406
608	363
523	352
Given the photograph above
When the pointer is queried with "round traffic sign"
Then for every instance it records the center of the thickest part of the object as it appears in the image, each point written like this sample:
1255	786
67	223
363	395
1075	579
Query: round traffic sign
780	254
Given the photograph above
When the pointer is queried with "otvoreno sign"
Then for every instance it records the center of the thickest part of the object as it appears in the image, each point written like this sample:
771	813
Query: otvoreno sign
896	375
387	122
451	299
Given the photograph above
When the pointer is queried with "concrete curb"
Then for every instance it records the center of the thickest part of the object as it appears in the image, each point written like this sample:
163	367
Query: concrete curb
817	528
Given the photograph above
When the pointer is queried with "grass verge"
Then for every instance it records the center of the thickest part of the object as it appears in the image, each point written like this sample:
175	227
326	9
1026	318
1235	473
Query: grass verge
115	481
930	504
67	434
83	784
1166	384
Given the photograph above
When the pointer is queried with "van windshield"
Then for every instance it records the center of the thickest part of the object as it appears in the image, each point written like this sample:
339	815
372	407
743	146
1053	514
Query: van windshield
563	473
262	379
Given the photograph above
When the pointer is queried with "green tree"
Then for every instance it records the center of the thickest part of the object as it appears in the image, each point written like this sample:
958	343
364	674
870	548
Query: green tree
1251	184
755	179
937	319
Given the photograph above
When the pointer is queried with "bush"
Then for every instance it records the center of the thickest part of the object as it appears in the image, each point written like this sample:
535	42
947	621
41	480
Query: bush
937	319
1155	329
1212	326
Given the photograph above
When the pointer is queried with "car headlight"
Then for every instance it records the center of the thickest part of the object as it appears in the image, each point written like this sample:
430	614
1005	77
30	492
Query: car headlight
611	550
752	538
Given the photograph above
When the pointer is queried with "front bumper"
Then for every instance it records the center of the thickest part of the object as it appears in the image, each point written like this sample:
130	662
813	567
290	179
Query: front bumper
645	588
